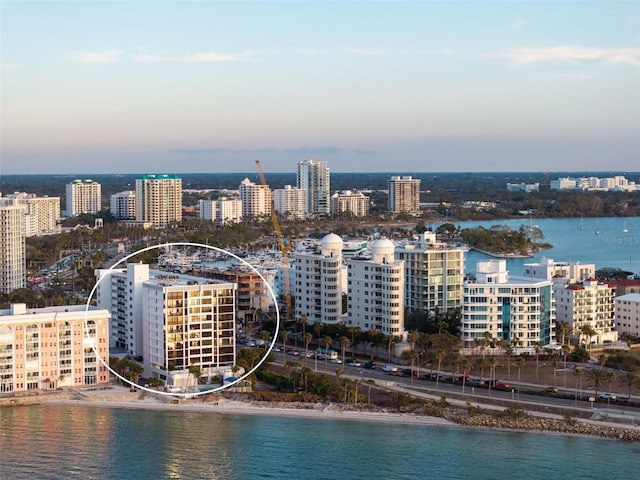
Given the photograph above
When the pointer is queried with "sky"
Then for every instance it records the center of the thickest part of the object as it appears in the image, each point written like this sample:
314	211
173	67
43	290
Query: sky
203	86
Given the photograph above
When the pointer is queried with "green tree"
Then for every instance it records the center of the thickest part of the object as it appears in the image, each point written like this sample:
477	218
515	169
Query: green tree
597	377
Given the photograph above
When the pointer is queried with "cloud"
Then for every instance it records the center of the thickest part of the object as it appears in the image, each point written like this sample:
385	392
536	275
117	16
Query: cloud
526	56
105	56
518	23
367	52
200	57
10	66
300	151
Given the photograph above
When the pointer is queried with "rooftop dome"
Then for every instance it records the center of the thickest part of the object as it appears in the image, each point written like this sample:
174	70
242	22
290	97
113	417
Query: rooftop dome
332	241
383	246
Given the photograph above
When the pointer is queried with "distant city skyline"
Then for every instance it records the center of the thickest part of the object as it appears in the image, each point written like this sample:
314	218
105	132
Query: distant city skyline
187	87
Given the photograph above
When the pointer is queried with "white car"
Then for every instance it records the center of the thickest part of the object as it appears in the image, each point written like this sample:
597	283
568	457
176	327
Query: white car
335	360
389	368
354	363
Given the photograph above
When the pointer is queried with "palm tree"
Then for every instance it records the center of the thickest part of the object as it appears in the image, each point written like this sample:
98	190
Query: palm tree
538	347
610	377
410	355
589	332
465	365
304	320
440	355
370	382
344	343
265	336
481	363
327	343
578	372
566	349
284	336
597	376
629	379
520	361
391	341
555	358
195	372
307	341
492	363
508	351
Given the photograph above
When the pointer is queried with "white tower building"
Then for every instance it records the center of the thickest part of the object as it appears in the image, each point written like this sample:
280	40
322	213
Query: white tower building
83	196
123	205
291	201
221	211
256	199
375	298
404	195
159	199
13	268
319	282
356	203
315	178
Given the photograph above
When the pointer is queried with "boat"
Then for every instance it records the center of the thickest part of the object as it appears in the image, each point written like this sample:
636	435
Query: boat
597	231
581	226
624	228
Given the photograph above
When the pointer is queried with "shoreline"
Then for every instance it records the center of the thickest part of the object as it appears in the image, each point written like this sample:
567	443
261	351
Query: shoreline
453	417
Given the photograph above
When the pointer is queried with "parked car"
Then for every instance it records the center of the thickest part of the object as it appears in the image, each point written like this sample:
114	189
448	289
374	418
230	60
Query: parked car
407	372
607	396
389	368
335	360
624	399
370	365
293	351
502	386
354	363
551	389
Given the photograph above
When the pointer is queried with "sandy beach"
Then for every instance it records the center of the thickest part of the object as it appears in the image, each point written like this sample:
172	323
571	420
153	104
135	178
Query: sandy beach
119	397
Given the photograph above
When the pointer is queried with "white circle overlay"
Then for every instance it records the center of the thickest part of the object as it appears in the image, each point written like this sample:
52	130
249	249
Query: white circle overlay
183	394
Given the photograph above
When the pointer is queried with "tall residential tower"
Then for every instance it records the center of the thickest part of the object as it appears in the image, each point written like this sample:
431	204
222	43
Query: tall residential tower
314	177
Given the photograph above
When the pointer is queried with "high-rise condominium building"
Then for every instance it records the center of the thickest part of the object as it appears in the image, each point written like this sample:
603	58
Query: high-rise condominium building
159	199
627	313
290	201
83	196
41	214
318	282
404	195
518	310
221	211
560	271
375	295
355	203
12	247
47	348
123	205
315	178
434	274
256	199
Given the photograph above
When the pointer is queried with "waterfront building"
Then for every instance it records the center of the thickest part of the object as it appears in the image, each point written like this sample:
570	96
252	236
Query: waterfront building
315	178
404	195
319	281
587	304
83	196
13	267
123	205
627	314
256	199
355	203
434	274
41	214
375	298
518	310
221	211
560	271
624	287
47	348
159	199
290	201
187	322
120	292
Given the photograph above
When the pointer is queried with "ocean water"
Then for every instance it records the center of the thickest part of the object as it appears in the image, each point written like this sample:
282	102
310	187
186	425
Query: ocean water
610	247
86	442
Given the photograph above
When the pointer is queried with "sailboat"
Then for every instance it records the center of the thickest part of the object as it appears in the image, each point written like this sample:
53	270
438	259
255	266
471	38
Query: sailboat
581	226
624	228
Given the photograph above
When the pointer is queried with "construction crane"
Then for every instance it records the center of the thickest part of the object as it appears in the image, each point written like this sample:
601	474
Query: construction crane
281	244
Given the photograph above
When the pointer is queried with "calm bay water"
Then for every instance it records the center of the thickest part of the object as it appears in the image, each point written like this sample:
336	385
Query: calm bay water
611	247
79	442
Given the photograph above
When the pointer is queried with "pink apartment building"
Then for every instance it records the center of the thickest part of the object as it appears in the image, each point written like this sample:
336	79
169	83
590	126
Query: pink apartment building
48	348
